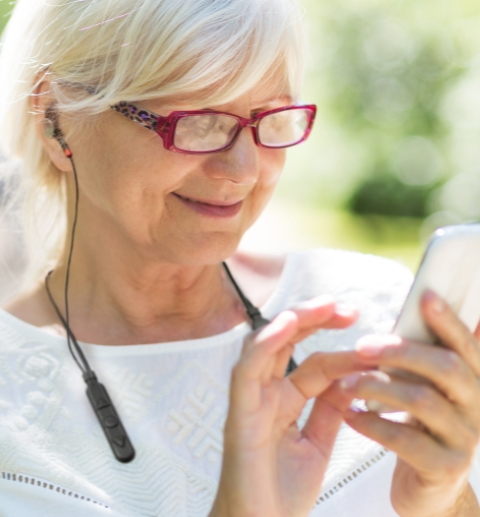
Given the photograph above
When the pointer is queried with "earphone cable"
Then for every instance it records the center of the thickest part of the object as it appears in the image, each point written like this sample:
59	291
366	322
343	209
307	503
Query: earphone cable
70	334
67	273
71	340
258	321
98	396
253	312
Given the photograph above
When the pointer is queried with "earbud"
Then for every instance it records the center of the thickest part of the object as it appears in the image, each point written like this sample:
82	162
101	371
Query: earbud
48	128
51	129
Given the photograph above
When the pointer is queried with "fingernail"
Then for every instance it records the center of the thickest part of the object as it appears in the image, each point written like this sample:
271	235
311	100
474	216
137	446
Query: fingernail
374	405
349	382
370	346
437	304
373	346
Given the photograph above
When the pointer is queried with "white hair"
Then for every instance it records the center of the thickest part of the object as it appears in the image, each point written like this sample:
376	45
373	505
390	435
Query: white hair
131	50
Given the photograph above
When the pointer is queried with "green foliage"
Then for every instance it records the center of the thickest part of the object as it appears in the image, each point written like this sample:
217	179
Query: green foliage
6	7
387	195
386	83
394	81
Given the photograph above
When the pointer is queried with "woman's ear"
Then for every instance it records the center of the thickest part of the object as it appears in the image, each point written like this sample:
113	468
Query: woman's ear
47	124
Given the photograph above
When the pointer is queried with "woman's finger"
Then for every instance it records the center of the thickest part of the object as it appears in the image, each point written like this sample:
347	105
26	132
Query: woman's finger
284	355
314	314
260	348
319	370
323	312
442	367
411	444
281	363
396	375
451	331
342	318
322	425
248	374
422	402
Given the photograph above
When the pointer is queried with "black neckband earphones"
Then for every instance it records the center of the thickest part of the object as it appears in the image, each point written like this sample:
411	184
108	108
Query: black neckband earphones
97	394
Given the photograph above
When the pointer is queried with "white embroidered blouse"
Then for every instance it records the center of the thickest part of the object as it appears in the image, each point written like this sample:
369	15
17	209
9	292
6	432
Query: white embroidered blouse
172	398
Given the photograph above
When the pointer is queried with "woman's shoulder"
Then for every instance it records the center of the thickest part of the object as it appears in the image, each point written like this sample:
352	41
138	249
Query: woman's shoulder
336	271
30	305
349	275
357	267
272	266
265	265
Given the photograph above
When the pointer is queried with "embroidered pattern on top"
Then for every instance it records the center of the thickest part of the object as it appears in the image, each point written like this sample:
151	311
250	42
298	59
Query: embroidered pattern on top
201	424
132	390
31	480
160	483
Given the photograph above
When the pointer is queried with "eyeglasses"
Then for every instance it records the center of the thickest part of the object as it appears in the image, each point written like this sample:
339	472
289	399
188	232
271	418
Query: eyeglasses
207	131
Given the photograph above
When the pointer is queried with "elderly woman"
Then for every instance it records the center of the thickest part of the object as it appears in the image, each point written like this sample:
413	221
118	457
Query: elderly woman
151	135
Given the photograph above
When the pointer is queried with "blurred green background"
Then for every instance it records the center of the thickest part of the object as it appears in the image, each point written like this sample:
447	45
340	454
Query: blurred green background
396	148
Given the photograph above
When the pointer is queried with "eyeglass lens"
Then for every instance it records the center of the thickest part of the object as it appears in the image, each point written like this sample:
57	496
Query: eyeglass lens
204	132
211	132
283	128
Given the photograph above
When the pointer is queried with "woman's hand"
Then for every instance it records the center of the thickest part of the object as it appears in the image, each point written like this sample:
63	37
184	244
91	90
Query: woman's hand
270	467
435	448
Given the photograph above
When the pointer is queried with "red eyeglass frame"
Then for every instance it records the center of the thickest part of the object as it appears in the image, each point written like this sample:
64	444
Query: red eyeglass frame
165	126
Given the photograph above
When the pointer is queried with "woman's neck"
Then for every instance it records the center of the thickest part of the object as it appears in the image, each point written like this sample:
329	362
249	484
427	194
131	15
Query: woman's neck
119	297
109	304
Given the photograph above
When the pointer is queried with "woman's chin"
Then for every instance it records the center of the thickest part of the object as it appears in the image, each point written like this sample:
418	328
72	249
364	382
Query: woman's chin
204	251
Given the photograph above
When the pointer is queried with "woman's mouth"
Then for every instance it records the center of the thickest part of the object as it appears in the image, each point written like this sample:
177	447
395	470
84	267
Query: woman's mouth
211	208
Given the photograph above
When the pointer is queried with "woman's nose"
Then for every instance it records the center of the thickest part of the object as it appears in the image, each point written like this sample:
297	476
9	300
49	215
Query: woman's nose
239	164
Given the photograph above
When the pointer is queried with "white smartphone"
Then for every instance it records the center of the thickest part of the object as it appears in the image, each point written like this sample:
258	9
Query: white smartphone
451	268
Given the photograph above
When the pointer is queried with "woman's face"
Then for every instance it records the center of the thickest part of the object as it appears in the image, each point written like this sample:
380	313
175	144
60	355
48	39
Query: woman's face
133	189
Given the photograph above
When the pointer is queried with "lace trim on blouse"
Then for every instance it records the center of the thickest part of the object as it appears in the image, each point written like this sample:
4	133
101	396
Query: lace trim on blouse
351	476
32	480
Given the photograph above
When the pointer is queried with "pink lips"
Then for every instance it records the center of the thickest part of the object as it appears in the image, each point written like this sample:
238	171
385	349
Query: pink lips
217	209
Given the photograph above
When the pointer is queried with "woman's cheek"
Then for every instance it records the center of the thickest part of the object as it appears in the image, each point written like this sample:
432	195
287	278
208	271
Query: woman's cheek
272	164
268	180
